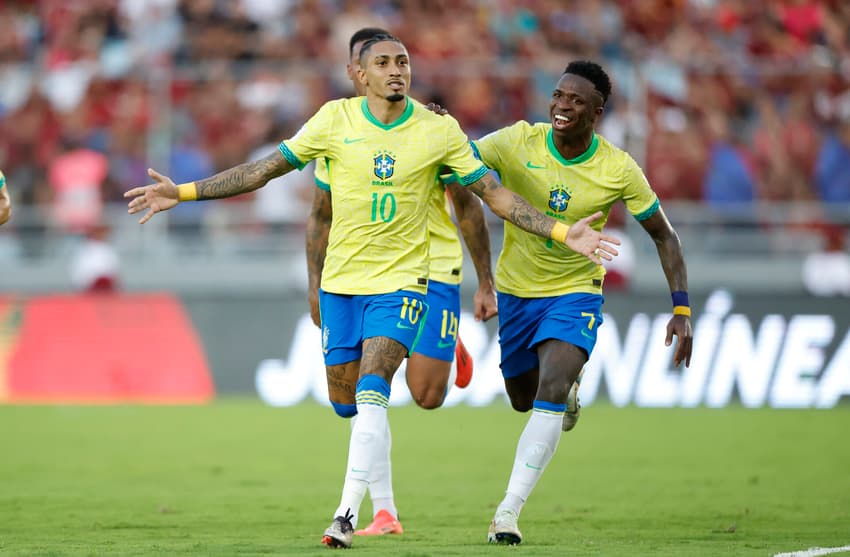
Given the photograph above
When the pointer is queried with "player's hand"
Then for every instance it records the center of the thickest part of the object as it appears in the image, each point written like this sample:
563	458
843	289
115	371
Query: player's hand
156	197
485	303
313	299
680	325
596	246
436	109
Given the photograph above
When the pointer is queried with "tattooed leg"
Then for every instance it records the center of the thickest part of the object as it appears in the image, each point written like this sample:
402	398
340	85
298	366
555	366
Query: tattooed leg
382	356
342	380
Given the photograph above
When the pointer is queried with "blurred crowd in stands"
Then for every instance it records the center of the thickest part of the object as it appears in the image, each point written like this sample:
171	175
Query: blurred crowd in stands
721	101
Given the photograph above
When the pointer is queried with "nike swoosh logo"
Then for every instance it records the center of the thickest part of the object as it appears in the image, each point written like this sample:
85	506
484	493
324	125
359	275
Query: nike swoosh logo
532	466
586	334
401	325
530	164
356	471
355	140
441	344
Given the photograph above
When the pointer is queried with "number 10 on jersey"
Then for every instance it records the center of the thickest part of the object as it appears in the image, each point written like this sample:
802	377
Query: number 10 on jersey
383	207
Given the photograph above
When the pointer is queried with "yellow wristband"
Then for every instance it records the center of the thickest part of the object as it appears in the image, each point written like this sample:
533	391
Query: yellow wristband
682	310
187	192
559	232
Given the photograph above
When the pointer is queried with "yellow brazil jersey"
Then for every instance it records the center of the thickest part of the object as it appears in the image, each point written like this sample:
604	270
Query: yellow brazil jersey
445	253
383	177
528	163
320	175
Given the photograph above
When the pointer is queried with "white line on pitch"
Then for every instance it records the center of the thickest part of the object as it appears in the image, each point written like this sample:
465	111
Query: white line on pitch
815	551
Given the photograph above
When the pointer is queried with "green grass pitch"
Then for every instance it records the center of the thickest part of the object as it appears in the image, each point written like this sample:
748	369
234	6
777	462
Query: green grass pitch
239	478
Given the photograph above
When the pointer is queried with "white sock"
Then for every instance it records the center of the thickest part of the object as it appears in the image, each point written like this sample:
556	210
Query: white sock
536	446
367	433
381	479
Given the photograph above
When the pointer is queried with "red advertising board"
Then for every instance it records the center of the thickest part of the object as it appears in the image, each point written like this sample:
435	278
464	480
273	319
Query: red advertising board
100	349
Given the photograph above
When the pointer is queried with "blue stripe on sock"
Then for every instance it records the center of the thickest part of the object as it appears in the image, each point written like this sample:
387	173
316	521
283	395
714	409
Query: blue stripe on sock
549	407
373	389
374	383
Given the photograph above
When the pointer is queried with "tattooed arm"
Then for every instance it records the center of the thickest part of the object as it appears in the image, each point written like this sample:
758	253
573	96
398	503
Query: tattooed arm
579	237
318	229
473	228
164	194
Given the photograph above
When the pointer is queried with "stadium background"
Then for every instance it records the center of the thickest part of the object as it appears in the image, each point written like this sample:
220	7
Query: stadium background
739	112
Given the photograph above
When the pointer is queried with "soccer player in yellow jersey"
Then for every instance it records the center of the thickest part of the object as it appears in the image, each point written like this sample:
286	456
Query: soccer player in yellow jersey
5	200
429	365
383	152
550	298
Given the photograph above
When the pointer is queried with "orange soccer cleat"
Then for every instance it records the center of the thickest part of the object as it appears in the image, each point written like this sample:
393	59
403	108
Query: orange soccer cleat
464	365
383	523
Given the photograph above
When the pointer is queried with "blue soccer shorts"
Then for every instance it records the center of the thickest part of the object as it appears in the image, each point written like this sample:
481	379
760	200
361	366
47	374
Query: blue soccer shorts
526	322
439	335
347	320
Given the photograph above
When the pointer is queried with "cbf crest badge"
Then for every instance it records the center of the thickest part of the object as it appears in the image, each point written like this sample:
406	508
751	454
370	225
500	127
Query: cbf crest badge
559	198
384	165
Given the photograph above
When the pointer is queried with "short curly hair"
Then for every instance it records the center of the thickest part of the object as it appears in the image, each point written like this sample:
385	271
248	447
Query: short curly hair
594	73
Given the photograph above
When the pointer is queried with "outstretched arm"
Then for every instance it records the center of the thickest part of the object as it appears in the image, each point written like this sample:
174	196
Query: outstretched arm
673	263
318	228
579	237
5	201
473	228
164	194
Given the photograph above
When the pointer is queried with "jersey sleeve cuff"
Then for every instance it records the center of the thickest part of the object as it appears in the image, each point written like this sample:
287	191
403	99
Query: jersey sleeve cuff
322	185
290	157
474	177
475	150
449	178
649	212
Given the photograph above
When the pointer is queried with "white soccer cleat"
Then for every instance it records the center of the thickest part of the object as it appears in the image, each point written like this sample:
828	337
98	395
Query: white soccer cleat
340	532
504	529
571	415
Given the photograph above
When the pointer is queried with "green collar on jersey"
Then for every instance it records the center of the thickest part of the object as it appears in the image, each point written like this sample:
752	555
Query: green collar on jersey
405	116
550	142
